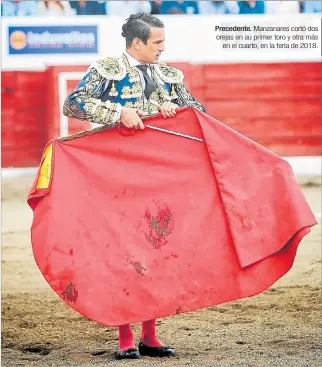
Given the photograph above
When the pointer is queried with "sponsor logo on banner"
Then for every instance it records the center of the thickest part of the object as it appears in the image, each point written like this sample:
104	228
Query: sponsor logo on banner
53	40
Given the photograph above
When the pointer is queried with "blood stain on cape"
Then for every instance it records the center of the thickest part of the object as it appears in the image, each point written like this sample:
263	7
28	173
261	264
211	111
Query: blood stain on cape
138	267
160	226
71	293
179	310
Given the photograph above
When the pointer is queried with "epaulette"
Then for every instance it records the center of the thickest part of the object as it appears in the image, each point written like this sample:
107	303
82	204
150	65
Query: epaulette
111	68
168	73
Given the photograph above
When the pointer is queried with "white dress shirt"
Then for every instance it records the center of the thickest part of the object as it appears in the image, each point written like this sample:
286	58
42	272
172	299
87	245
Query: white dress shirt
134	62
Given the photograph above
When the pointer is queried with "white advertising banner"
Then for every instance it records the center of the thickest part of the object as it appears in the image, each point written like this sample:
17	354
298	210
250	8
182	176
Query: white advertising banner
34	43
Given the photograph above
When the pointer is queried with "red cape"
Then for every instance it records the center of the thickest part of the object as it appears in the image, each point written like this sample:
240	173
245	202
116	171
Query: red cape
135	228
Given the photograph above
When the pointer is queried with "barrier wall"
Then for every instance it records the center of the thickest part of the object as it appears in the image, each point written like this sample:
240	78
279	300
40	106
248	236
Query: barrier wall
23	115
277	105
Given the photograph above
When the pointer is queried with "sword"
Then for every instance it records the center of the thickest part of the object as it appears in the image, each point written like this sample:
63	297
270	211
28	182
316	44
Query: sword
146	117
174	133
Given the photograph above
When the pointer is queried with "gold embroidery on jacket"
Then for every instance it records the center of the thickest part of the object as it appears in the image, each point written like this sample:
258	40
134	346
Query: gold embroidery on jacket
156	77
186	99
137	105
157	97
136	90
168	74
155	100
113	92
132	92
173	94
133	75
111	68
88	95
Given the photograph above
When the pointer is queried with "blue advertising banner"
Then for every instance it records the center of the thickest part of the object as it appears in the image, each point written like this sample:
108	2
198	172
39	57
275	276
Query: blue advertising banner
33	40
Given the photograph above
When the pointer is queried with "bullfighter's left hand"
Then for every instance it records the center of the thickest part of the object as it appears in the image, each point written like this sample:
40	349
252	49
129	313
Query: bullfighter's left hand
168	109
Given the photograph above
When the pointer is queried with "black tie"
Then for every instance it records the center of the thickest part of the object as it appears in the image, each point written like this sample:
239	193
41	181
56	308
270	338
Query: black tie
149	83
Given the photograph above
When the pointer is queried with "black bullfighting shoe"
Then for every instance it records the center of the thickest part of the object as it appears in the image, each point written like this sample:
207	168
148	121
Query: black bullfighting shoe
131	353
156	351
